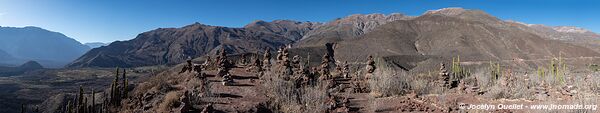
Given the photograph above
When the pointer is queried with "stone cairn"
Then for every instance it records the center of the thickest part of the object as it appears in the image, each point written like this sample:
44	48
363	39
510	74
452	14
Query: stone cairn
346	70
188	66
542	91
255	65
266	63
191	67
297	67
284	63
243	61
370	67
324	68
444	76
224	66
209	64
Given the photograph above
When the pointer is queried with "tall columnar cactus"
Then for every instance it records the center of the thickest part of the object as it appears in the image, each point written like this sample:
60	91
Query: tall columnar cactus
125	83
495	70
116	90
84	105
112	92
22	108
541	72
93	110
561	67
80	102
69	107
458	72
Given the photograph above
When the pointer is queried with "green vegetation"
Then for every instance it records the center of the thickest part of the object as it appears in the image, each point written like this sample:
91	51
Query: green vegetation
556	68
594	67
495	71
458	71
541	72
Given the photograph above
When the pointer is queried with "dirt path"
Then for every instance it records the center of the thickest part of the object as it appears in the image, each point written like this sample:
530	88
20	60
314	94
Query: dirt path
244	96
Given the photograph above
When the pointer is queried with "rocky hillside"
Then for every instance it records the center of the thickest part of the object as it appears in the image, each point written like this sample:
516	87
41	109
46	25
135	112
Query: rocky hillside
174	45
566	33
347	28
51	49
471	34
441	33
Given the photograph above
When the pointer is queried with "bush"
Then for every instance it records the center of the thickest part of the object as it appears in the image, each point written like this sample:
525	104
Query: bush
386	81
170	101
285	97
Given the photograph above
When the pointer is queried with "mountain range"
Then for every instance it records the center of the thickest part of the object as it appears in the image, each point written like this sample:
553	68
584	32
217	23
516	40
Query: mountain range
95	44
50	49
443	33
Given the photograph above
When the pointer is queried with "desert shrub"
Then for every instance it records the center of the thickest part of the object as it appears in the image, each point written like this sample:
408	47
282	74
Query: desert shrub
386	81
594	67
285	97
421	86
170	101
588	83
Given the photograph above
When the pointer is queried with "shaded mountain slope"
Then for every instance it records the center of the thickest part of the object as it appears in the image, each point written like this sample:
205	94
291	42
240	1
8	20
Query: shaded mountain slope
52	49
174	45
7	59
451	35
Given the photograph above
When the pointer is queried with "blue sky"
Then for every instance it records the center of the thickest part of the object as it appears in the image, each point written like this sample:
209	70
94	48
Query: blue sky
109	20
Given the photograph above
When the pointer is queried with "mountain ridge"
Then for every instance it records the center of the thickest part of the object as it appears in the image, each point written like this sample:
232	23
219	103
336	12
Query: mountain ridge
51	49
198	39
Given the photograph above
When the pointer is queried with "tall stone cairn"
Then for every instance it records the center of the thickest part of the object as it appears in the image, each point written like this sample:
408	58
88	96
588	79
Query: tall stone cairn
370	67
324	68
255	66
444	76
188	66
345	70
370	64
224	65
266	63
284	63
297	67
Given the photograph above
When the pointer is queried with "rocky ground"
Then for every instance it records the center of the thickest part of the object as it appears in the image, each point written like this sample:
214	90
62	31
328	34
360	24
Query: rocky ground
250	94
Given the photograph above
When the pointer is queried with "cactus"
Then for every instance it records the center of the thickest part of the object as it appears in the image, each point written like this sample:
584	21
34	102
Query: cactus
22	108
80	99
125	82
541	72
84	105
69	107
495	70
93	110
458	72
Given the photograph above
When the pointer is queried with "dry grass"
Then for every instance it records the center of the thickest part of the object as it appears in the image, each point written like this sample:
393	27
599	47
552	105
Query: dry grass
170	101
284	97
387	81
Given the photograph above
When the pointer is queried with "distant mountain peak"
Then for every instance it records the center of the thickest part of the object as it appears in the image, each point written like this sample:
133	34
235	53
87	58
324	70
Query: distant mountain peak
50	48
363	18
570	29
451	11
95	44
31	65
466	14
